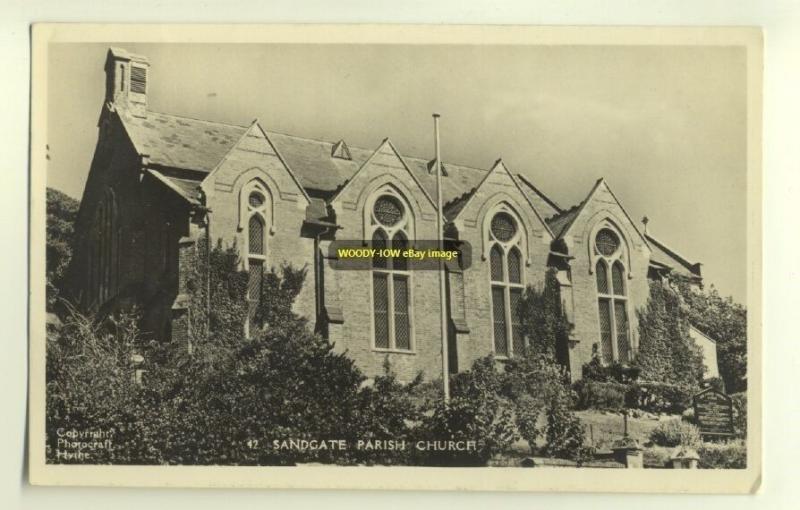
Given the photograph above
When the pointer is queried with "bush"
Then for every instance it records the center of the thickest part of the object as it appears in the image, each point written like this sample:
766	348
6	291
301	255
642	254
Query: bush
539	388
565	435
676	433
476	412
659	397
595	370
740	413
89	384
604	396
728	455
667	354
389	411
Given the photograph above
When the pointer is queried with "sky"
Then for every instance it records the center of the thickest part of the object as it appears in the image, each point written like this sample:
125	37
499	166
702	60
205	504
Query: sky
665	126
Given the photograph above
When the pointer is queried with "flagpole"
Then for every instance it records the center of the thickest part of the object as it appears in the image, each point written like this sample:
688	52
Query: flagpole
442	291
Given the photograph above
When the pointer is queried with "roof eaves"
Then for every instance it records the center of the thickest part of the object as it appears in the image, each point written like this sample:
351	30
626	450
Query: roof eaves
691	266
539	192
171	185
577	213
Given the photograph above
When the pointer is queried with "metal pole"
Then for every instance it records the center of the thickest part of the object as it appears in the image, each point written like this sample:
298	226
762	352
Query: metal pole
442	292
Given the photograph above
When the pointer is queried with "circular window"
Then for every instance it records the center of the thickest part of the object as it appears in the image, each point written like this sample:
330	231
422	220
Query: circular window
504	228
256	200
388	211
607	242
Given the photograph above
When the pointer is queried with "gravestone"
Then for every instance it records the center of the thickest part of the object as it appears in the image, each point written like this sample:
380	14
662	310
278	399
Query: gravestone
713	411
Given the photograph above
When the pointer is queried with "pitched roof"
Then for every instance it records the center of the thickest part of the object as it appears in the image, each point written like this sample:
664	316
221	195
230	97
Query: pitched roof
180	142
542	202
664	255
560	222
193	144
185	188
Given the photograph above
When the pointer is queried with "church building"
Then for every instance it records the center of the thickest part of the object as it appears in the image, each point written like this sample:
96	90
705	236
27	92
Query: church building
159	182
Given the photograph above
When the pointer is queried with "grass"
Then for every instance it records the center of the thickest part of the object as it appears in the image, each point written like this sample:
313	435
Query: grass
602	429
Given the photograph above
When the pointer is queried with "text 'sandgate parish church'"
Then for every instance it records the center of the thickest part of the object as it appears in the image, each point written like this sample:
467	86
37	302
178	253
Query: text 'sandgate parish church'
159	183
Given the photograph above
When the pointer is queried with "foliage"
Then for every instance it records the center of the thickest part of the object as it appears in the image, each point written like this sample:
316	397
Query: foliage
676	433
716	383
605	396
536	384
667	354
234	400
544	324
726	322
659	397
565	435
476	412
62	211
390	411
740	413
89	384
595	370
726	455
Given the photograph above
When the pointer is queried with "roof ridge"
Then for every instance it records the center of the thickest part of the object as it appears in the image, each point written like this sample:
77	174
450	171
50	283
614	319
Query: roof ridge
200	120
407	157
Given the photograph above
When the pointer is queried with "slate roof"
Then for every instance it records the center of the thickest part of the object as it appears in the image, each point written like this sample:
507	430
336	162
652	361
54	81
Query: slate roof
561	221
180	142
198	145
543	204
662	254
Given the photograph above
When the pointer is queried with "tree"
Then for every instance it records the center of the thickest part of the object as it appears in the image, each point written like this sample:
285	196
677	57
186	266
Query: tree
726	322
62	211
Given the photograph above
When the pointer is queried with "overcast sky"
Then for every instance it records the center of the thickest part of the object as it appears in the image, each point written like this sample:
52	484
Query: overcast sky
666	126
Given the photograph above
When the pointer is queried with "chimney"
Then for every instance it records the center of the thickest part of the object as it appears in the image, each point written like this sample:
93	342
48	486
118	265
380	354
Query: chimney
126	81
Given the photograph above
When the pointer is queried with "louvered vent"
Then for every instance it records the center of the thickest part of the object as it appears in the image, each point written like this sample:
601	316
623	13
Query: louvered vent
138	79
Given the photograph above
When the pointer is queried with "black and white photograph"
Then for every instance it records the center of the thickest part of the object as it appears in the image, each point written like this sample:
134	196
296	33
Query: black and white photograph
403	249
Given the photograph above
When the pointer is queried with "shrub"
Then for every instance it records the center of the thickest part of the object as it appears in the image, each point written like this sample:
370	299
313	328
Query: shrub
667	354
676	433
659	397
740	413
565	435
605	396
728	455
390	410
89	384
539	388
596	370
543	321
476	412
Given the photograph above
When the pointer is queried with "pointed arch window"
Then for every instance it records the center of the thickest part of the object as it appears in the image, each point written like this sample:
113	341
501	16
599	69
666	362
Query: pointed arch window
506	278
103	252
256	215
612	299
391	289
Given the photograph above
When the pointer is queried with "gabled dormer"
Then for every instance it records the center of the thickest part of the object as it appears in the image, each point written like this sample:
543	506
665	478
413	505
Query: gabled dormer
340	150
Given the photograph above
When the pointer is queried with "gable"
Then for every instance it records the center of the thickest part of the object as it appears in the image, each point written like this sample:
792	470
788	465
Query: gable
600	203
253	156
384	162
498	182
